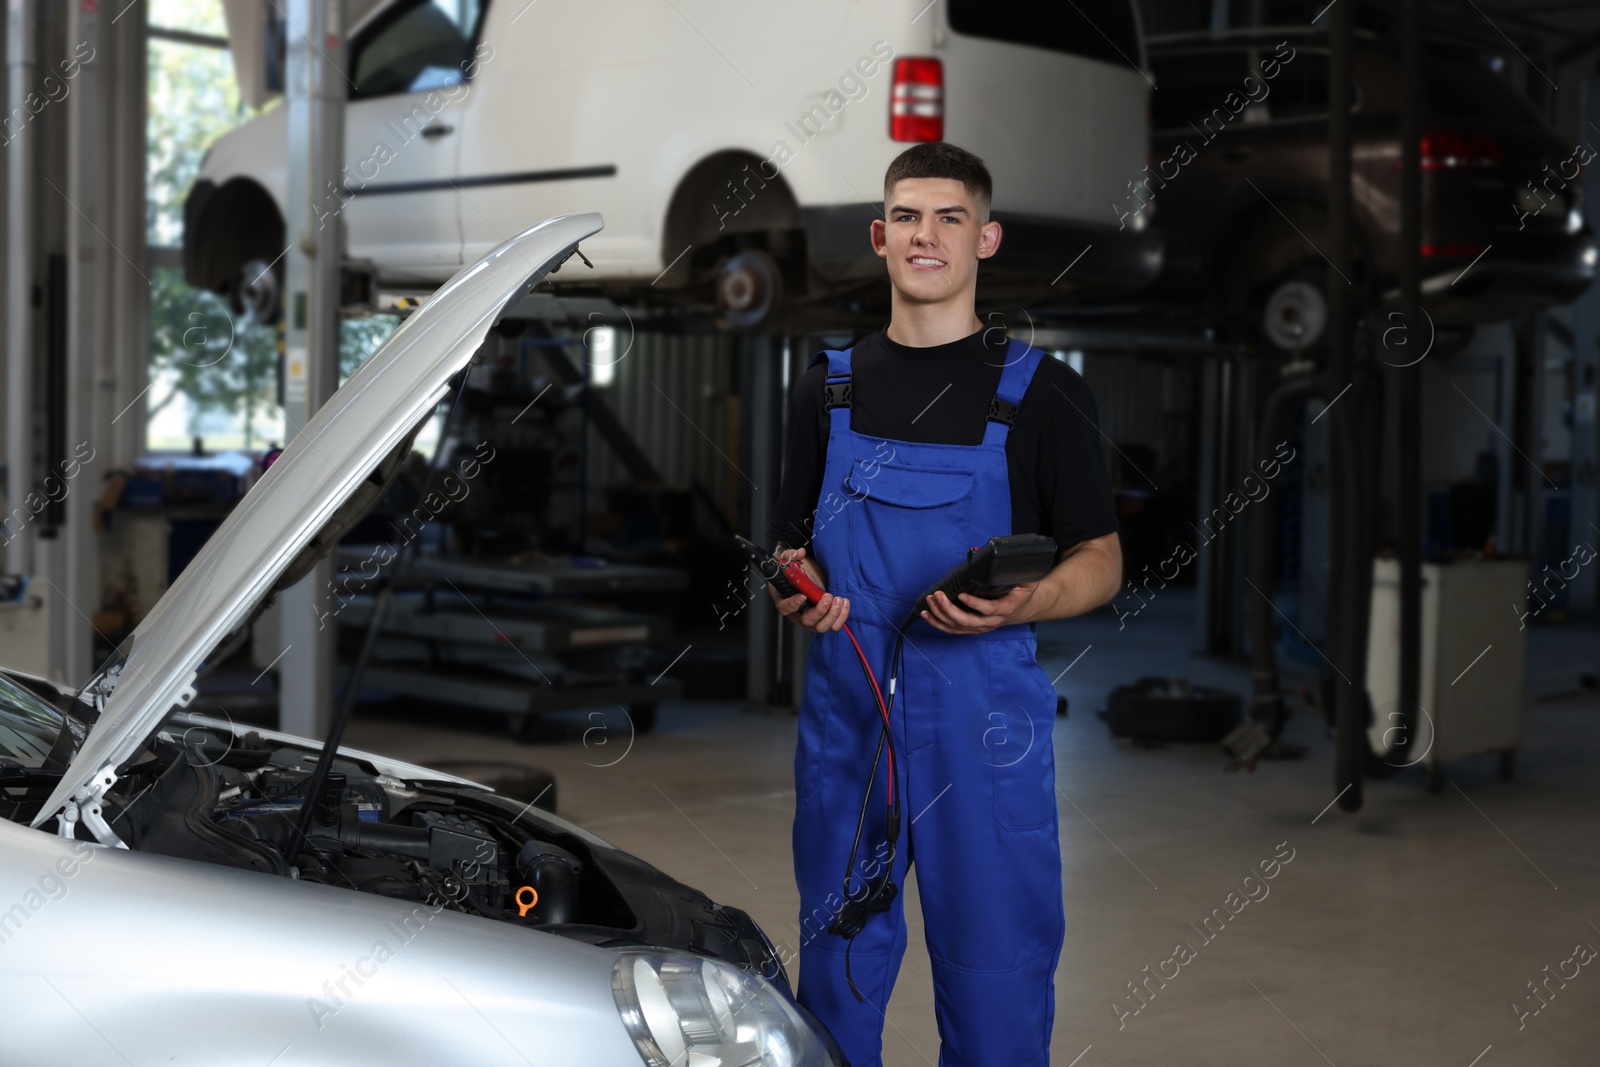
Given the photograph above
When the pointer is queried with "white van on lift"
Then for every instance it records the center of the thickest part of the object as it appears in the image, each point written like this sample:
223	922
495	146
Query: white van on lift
735	149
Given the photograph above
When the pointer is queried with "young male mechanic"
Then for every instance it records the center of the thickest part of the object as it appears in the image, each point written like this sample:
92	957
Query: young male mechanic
947	435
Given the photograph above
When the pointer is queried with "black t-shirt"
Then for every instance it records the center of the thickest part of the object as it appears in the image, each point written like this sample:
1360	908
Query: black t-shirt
1054	454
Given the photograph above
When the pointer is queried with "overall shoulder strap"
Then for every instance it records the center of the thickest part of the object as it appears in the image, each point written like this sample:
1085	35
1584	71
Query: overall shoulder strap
1022	359
836	389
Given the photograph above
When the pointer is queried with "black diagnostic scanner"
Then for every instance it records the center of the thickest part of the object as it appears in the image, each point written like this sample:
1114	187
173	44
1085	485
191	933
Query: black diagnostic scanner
995	568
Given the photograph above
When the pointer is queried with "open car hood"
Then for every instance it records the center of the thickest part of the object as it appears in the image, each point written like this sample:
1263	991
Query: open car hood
328	476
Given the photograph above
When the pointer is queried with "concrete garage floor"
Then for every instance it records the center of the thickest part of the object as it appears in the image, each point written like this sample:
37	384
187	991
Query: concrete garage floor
1403	934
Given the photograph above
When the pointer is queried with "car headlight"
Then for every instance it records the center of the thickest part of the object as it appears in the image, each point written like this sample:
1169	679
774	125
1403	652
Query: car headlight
684	1010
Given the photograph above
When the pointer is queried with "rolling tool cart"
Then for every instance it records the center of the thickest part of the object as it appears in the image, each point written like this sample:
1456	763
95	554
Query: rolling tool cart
1472	665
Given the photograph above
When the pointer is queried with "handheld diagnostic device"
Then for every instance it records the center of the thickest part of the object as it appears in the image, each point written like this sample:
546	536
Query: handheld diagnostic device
994	568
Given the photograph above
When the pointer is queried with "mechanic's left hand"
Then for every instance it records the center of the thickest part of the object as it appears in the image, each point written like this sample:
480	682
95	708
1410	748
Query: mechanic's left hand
975	615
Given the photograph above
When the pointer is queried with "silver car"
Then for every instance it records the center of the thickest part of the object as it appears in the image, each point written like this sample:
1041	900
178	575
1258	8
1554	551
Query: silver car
161	901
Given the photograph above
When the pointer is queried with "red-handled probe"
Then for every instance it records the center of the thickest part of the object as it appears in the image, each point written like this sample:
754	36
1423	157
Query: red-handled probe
789	578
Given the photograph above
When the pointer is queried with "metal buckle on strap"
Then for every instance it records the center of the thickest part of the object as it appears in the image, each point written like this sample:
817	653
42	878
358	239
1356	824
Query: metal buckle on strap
1002	411
837	393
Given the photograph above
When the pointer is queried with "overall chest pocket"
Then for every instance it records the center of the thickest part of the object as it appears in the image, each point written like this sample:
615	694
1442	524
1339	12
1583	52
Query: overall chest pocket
908	525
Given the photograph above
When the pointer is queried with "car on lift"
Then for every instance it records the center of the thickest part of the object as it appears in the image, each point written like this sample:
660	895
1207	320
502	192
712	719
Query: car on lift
176	888
1239	183
735	149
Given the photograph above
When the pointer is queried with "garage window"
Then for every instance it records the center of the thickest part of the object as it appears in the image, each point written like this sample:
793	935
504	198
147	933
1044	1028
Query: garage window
1094	29
212	377
416	47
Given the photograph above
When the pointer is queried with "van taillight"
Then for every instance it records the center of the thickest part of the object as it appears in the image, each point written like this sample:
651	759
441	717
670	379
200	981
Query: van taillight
1449	149
916	105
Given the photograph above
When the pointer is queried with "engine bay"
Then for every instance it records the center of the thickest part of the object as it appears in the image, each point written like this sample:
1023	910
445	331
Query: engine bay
207	792
211	796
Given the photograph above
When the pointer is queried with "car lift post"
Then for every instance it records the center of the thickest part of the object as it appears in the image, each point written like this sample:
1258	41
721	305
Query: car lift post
762	354
1585	338
1351	575
314	94
1410	392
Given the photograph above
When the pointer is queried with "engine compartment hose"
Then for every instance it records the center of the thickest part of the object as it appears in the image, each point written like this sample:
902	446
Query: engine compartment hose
553	873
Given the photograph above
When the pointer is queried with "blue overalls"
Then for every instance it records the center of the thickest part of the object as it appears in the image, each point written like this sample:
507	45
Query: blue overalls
971	725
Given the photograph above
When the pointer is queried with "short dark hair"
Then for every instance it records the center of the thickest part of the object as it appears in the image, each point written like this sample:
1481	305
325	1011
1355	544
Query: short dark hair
938	159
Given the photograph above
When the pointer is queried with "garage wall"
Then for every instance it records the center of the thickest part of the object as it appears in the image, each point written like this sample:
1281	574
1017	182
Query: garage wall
675	395
1461	394
1144	405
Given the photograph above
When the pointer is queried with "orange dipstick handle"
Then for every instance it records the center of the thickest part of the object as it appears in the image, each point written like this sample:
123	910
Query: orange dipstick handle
524	905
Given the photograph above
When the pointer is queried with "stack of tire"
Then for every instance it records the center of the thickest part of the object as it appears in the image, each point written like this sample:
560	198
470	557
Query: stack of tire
1154	710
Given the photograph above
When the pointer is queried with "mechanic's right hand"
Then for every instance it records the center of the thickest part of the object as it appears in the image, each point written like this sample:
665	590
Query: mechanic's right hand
827	614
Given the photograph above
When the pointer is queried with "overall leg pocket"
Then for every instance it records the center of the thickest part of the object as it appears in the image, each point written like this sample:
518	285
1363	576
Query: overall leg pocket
1024	792
1019	744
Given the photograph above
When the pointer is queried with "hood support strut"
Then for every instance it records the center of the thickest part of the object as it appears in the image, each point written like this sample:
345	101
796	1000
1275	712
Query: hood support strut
341	716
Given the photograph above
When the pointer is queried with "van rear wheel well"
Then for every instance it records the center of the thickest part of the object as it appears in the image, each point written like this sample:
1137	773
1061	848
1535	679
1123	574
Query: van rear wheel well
240	224
726	203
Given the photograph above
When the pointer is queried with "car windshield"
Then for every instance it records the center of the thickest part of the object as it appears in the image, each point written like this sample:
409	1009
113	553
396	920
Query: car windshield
30	729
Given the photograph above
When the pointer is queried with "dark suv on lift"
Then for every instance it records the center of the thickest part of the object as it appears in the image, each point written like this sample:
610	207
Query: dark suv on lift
1239	175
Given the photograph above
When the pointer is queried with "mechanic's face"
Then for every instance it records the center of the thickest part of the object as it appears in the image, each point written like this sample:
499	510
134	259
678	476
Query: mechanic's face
932	239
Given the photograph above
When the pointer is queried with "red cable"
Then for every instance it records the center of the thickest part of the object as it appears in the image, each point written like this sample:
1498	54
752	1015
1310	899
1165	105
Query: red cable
883	708
801	582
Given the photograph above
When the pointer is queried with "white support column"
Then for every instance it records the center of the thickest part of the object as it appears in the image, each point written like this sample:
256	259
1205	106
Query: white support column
315	96
129	318
86	190
21	254
5	294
